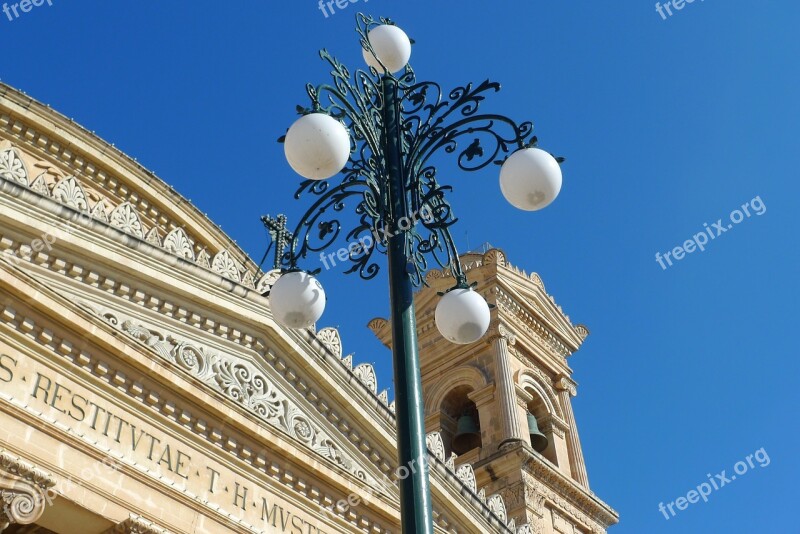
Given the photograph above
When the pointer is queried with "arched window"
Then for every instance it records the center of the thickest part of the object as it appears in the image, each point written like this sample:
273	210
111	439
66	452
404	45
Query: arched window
460	422
538	409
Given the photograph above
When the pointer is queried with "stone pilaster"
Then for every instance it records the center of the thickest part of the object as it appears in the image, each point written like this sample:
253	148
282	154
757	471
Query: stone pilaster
501	339
566	389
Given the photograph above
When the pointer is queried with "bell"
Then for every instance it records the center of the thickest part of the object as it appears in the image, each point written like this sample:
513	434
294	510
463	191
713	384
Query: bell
468	435
538	440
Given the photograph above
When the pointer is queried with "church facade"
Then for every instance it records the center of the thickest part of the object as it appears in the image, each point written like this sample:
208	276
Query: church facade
145	387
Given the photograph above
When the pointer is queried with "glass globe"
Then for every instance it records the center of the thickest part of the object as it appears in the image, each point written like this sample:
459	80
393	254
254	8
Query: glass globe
391	45
317	146
530	179
297	300
462	316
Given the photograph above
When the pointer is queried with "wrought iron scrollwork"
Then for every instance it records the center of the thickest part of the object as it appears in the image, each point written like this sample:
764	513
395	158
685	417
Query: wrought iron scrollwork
432	122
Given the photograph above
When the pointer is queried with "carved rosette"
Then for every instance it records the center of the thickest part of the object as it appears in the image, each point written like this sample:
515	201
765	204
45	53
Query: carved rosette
24	491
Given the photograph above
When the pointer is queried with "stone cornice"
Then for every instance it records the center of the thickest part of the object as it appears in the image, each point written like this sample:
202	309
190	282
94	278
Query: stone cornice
53	136
558	488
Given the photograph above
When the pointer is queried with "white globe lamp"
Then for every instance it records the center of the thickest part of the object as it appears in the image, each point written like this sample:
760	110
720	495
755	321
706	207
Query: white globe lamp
462	316
297	300
391	45
530	179
317	146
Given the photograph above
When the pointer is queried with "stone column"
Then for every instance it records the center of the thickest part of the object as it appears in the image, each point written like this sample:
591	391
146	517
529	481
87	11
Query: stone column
24	491
501	339
566	389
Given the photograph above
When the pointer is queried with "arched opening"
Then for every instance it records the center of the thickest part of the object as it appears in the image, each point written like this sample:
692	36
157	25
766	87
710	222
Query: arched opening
460	421
540	435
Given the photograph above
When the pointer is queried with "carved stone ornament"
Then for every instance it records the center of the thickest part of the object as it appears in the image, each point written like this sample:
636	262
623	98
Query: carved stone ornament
566	384
451	462
264	283
177	242
466	475
330	338
225	265
12	167
240	381
498	507
365	373
501	331
126	219
136	524
435	445
70	193
24	491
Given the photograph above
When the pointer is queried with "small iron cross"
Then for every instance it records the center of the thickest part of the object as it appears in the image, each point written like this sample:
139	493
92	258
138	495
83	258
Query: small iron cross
281	237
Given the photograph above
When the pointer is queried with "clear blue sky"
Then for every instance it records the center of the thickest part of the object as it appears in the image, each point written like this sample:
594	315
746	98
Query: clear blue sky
667	124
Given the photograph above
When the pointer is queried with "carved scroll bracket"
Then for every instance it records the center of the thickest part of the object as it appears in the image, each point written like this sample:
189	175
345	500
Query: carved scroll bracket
24	491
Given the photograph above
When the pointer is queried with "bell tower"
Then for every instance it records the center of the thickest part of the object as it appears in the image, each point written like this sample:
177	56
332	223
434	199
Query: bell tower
503	404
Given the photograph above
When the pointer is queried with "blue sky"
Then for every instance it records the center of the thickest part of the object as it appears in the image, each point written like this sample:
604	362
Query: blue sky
666	124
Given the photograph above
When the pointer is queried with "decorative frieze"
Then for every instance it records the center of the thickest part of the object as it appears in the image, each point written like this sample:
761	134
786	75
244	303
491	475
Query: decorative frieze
241	382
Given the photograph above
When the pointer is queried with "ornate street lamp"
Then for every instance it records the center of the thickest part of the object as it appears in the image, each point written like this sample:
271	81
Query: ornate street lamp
379	130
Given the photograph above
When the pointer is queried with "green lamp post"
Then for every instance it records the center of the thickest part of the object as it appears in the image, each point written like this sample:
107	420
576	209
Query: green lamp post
377	130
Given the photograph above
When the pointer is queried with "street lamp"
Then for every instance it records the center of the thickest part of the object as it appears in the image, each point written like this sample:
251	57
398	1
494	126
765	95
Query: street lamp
379	130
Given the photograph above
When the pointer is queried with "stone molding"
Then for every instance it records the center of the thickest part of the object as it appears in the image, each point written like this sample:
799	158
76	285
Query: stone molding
24	491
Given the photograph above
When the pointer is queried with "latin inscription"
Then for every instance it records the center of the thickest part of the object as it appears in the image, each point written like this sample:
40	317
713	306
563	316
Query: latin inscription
90	416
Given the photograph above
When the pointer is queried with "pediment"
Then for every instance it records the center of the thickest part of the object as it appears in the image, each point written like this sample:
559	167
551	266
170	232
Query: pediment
532	300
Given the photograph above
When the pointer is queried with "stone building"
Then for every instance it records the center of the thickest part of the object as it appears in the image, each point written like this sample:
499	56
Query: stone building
145	388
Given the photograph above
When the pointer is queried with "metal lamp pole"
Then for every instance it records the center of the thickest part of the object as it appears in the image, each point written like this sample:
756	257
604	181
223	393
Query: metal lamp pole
396	125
